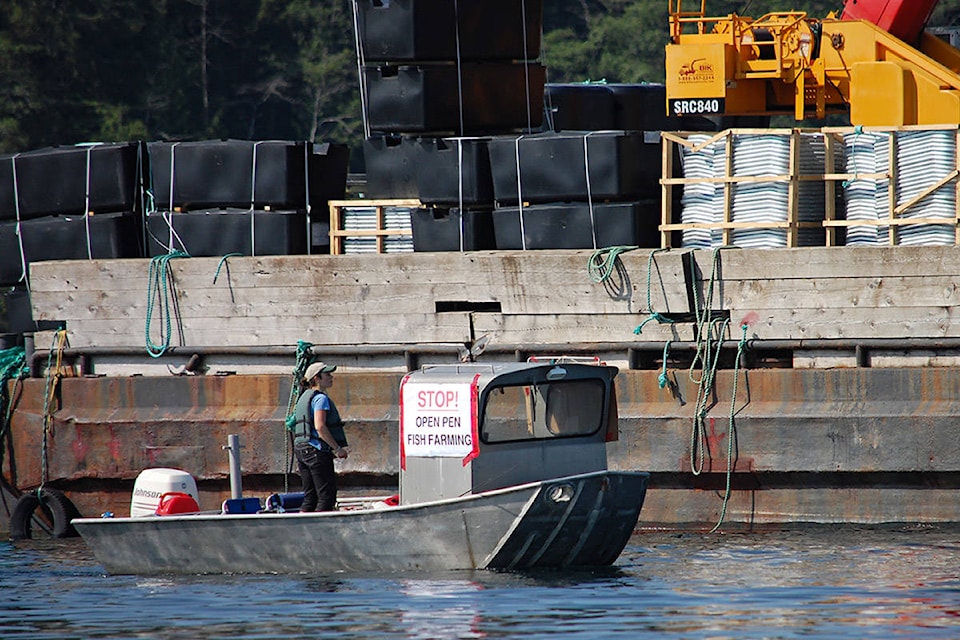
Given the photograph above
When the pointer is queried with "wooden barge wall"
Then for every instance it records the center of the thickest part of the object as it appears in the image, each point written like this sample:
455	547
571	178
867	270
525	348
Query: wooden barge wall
835	394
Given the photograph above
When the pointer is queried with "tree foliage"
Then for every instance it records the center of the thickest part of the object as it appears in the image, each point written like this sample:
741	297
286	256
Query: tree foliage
175	69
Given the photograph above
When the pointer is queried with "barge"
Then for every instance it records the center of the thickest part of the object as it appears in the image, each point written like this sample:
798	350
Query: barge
814	379
831	397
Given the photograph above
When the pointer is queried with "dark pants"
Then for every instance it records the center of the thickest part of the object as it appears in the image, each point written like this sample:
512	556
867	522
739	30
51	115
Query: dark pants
319	478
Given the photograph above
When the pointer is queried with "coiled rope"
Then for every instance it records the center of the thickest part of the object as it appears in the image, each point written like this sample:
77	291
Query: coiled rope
709	335
304	356
710	332
707	354
159	287
603	262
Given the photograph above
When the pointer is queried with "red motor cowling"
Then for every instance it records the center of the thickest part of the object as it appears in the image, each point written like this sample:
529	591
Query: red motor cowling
903	19
175	502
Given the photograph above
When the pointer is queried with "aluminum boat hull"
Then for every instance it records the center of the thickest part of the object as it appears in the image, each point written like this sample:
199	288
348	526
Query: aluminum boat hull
581	520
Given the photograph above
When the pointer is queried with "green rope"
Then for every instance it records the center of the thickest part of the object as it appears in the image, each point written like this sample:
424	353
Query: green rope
304	356
303	361
654	315
158	286
13	365
857	132
731	428
698	435
704	314
222	261
705	323
663	380
706	327
710	332
603	262
50	388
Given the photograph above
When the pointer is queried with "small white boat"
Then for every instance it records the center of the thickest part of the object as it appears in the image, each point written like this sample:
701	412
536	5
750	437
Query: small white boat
503	466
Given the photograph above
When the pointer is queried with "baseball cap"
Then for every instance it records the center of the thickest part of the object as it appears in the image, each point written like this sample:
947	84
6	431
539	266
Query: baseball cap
317	368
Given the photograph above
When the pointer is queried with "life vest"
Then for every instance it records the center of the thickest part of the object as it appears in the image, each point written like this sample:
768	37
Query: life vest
303	429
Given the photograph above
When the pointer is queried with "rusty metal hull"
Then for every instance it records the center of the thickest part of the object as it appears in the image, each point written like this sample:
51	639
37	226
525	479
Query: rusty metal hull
856	444
583	520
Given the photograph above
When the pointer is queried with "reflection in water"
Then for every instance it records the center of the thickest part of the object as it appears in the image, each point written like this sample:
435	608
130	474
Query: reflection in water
323	585
818	582
440	608
836	582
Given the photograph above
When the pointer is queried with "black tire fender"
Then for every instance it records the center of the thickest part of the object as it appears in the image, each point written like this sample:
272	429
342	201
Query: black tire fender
52	503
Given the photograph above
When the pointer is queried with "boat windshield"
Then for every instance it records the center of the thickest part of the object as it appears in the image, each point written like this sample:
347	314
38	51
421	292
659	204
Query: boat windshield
542	411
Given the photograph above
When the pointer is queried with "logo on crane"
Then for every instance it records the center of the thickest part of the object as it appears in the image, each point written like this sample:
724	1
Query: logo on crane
697	70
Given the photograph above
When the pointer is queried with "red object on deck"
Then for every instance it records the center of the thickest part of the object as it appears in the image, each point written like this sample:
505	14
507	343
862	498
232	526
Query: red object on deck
902	19
175	502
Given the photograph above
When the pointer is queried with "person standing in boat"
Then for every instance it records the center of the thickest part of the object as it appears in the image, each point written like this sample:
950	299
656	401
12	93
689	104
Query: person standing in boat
318	438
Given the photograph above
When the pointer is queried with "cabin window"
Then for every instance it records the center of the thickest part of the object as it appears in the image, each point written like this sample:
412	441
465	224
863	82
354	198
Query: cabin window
542	411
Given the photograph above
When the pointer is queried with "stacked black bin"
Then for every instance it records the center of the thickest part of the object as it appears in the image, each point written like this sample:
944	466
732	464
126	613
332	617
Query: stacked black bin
440	77
215	197
65	203
614	106
68	202
642	107
576	190
461	67
136	199
591	178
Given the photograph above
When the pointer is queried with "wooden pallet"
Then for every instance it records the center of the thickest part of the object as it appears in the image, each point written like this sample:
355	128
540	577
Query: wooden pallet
833	218
894	217
339	235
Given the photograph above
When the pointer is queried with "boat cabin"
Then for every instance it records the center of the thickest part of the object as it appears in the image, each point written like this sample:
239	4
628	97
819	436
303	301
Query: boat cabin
470	428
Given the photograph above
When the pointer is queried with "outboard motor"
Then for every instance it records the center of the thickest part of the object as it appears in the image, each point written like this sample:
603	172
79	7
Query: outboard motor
152	484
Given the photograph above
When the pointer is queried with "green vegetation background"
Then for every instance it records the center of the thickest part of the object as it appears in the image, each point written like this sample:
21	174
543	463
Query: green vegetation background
110	70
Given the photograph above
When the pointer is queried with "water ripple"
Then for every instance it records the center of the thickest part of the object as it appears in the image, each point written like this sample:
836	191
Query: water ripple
809	583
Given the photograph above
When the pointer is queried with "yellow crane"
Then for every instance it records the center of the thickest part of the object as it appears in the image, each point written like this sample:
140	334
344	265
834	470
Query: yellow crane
787	62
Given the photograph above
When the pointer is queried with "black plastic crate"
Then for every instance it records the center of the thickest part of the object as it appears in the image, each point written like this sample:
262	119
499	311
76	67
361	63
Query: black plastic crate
643	107
391	166
429	30
212	173
496	97
449	229
571	225
71	180
222	231
615	106
560	167
246	173
455	171
579	107
328	165
102	235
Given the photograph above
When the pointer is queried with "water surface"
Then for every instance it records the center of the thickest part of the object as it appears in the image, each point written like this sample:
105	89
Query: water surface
799	583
